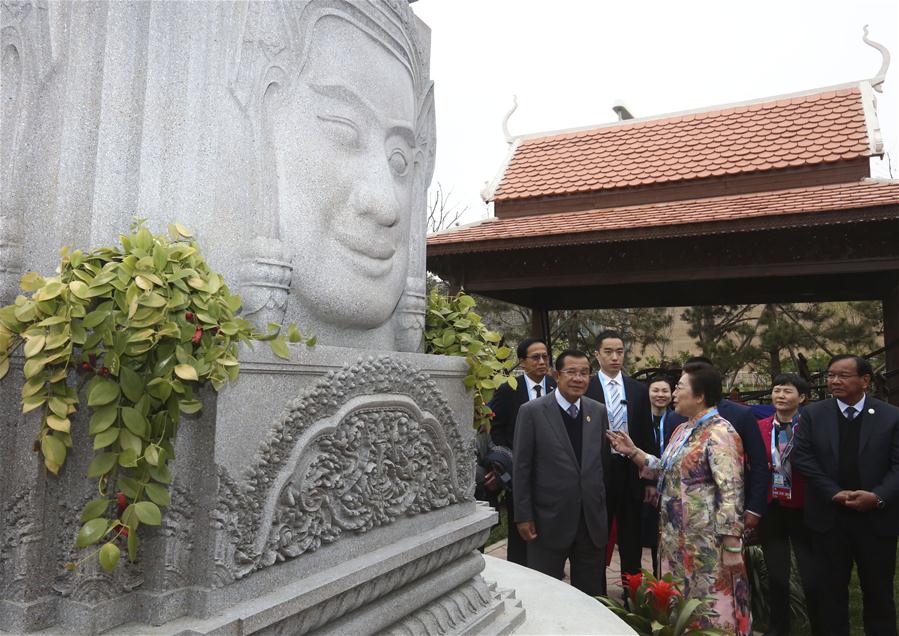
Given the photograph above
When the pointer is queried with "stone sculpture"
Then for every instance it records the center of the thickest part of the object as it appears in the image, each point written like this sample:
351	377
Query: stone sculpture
328	493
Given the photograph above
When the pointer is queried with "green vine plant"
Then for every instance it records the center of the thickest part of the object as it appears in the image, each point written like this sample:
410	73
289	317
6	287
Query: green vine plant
137	329
453	328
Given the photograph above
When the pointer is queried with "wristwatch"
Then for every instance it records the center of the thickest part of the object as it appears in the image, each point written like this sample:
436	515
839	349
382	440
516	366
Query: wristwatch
881	504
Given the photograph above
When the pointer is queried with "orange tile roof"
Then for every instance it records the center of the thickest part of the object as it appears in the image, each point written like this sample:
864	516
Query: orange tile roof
796	207
823	127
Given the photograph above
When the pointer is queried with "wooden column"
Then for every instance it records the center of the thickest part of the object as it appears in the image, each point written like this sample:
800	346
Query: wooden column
540	325
891	342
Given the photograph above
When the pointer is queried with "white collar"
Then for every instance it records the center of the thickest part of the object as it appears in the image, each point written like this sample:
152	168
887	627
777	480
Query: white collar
606	379
530	384
858	406
565	403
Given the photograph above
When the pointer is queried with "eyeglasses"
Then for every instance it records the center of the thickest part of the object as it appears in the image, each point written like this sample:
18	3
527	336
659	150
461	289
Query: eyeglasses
830	377
680	387
575	373
537	357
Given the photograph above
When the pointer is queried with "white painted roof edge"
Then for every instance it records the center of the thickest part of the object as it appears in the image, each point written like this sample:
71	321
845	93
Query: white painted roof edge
872	123
489	190
697	111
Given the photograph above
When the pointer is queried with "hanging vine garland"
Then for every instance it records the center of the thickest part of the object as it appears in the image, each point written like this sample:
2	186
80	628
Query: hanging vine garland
144	325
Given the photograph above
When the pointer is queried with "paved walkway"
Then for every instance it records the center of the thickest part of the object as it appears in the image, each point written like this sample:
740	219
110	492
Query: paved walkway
613	572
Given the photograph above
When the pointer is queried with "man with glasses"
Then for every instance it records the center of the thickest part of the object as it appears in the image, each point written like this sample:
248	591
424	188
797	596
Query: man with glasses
561	452
627	402
533	357
847	448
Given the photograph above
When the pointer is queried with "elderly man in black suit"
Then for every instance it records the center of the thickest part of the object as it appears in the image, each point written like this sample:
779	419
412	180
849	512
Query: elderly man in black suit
847	447
533	357
627	403
561	451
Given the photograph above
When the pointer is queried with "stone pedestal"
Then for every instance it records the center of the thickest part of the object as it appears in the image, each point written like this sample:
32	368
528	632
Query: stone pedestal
331	493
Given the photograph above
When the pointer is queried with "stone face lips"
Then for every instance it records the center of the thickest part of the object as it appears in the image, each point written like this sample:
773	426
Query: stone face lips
797	131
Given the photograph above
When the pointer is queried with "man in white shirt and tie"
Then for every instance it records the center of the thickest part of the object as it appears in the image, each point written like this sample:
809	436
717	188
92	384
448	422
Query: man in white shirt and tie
629	409
535	382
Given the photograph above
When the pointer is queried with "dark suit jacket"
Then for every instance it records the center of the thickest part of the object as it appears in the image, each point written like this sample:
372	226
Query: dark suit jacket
816	453
757	479
549	486
639	424
505	404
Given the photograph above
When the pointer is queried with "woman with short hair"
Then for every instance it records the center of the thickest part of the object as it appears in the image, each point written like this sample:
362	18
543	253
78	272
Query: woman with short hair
700	476
783	524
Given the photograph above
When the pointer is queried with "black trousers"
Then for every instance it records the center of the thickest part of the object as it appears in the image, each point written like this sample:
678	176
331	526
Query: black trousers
780	529
516	547
627	508
588	562
851	540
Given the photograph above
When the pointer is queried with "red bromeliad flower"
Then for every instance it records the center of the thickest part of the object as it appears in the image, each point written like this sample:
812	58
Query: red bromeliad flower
633	582
662	592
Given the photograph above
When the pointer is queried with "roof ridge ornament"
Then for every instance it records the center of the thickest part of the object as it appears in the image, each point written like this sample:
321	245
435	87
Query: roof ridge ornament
509	138
877	80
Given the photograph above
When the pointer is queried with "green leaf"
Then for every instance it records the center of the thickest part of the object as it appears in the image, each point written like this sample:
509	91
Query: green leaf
103	418
34	345
160	473
159	494
79	288
129	518
131	383
135	421
130	441
94	509
53	449
190	406
102	464
95	318
128	458
58	406
91	532
148	512
685	614
513	382
109	556
107	437
152	454
33	366
102	393
280	348
186	372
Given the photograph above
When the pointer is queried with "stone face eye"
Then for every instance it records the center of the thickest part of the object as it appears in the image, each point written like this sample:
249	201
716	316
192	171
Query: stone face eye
341	129
399	164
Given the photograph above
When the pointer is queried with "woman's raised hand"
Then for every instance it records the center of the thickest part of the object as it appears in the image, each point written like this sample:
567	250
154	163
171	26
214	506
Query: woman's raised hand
621	442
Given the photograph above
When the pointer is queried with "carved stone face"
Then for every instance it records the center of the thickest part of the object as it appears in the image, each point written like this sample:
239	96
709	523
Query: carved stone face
343	138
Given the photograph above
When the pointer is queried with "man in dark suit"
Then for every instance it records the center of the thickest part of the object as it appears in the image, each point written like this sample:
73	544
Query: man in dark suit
533	357
627	403
847	447
756	477
561	451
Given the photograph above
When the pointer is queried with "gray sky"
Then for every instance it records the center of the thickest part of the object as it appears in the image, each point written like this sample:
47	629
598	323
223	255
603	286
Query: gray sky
569	60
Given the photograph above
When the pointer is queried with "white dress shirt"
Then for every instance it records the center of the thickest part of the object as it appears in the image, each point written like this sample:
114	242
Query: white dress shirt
532	394
858	406
565	403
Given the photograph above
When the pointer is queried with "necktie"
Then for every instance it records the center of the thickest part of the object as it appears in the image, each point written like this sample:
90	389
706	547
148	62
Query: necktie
615	407
850	413
537	389
572	411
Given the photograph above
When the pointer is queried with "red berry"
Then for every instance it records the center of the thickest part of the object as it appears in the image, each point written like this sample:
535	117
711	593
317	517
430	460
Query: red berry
86	366
189	316
197	335
124	533
215	330
104	371
121	502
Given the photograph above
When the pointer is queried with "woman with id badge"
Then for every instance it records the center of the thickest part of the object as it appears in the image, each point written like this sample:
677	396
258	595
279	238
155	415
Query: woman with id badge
783	525
700	477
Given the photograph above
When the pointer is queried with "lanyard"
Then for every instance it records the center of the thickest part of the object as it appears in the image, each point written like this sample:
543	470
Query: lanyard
662	433
672	454
775	452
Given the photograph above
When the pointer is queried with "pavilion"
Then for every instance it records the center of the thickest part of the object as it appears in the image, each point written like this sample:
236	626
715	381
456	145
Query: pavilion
765	201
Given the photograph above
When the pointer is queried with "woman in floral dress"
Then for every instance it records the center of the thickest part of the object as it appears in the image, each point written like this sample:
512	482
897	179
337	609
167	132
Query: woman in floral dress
701	488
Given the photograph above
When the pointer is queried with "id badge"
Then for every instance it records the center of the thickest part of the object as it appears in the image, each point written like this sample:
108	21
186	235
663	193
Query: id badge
780	489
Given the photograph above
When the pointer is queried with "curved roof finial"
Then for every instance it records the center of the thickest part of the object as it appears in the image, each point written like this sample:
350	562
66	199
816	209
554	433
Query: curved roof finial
506	132
877	80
